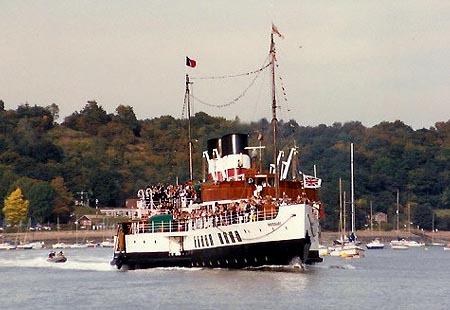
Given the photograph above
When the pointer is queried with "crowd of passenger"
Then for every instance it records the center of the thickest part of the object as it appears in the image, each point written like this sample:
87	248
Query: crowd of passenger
169	196
177	200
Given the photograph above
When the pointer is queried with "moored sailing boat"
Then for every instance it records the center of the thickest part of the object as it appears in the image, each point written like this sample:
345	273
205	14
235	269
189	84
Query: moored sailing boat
350	248
243	217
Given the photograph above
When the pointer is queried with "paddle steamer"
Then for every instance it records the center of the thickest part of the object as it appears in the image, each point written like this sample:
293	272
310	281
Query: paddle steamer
242	216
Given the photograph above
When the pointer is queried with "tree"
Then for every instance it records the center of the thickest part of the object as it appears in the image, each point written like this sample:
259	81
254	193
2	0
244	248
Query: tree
89	120
126	116
54	110
63	199
41	196
16	208
423	215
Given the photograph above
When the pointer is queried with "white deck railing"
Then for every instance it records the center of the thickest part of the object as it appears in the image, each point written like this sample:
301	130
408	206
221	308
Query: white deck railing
200	222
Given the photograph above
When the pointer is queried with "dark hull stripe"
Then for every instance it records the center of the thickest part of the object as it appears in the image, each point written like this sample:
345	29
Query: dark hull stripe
238	256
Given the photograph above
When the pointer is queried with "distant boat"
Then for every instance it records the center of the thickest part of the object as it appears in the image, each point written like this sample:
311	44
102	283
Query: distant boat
91	244
348	250
375	245
407	243
399	247
60	245
107	244
30	245
447	247
434	244
413	244
7	246
78	246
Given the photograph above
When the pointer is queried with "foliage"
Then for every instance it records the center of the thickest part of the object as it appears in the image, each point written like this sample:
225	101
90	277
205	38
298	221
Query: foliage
111	156
16	208
63	199
41	196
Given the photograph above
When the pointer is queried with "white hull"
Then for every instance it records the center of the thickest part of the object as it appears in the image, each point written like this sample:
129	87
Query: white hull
60	245
7	246
399	247
231	244
375	245
31	245
347	250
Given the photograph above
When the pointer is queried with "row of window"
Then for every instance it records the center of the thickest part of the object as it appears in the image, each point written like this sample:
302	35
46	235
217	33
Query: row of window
224	238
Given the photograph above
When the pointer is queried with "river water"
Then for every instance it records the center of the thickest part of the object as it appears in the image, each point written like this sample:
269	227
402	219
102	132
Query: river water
383	279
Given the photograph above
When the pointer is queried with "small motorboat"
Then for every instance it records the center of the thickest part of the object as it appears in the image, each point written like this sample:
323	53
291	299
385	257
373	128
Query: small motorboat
56	258
375	244
447	247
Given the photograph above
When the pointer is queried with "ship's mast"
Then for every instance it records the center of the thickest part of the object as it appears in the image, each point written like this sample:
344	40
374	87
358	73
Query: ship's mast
274	118
188	102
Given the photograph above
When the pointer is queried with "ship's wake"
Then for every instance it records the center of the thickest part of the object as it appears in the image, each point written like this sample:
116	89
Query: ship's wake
72	263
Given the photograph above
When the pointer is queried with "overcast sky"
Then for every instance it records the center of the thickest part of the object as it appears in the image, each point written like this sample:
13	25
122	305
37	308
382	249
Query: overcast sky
368	61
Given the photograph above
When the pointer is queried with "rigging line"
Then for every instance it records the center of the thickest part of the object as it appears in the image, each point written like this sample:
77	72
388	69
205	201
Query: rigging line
283	88
232	75
235	100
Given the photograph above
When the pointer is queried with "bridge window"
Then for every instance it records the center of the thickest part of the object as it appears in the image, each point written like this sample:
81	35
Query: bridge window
206	240
220	238
211	240
203	243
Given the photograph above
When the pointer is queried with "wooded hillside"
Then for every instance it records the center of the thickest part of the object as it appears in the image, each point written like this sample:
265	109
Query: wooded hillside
95	156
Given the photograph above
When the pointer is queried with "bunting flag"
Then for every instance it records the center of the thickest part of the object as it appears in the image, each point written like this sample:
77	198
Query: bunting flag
275	31
190	62
260	137
310	181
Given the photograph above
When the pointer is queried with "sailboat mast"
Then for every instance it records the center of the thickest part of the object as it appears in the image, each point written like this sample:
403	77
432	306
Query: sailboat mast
353	188
274	118
188	102
341	228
